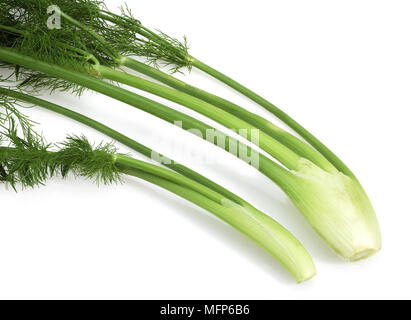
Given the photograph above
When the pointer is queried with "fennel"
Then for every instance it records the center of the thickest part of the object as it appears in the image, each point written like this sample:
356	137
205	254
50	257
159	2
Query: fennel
308	168
28	161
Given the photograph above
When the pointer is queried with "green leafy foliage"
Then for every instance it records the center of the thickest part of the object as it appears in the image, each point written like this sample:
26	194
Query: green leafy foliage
29	161
130	37
10	115
25	161
97	163
23	26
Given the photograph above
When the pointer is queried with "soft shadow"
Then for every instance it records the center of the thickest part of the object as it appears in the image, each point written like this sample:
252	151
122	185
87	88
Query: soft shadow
295	222
220	230
271	200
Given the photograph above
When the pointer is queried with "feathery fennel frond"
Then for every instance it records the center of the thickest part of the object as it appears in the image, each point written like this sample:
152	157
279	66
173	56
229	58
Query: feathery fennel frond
66	46
30	161
85	160
10	115
130	37
23	27
24	161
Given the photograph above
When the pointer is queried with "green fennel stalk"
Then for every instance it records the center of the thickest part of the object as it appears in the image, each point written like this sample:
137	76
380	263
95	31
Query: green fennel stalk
266	166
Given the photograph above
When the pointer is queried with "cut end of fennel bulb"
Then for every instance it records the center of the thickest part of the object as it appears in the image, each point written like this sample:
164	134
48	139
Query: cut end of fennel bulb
339	210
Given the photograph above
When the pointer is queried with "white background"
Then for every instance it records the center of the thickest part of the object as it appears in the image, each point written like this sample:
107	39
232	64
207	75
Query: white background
342	68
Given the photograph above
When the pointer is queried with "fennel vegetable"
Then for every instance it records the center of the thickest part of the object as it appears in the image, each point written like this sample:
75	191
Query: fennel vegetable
29	162
337	208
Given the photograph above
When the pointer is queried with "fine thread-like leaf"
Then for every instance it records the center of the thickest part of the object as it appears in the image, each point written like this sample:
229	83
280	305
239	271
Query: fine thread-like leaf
30	161
65	46
10	115
129	37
